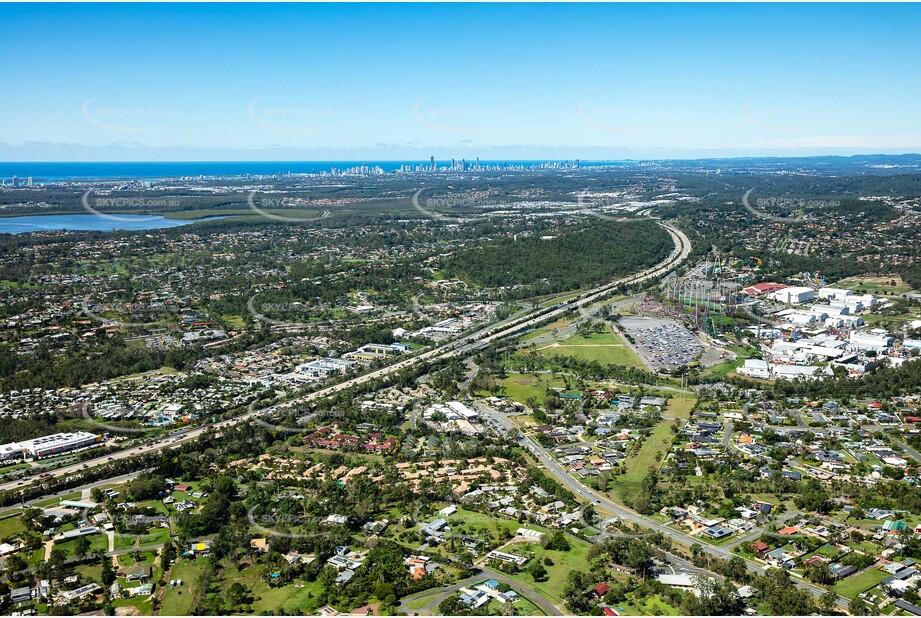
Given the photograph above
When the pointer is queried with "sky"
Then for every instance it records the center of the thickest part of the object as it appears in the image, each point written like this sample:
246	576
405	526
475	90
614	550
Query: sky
156	82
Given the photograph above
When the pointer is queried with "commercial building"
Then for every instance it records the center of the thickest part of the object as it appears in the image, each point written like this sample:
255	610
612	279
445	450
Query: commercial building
50	445
869	341
834	293
793	372
322	367
375	351
763	288
756	368
13	450
793	295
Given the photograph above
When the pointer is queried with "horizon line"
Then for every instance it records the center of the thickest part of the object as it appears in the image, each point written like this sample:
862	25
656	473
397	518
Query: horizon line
490	160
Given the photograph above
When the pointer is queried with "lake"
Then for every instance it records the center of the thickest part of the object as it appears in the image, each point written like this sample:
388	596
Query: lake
87	223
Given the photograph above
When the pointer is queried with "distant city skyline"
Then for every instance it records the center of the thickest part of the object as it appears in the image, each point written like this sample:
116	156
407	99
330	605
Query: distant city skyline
405	82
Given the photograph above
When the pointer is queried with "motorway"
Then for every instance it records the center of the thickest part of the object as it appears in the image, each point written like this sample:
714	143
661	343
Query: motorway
461	347
60	494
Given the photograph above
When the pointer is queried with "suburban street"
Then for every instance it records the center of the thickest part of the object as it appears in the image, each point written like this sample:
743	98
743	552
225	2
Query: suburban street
459	348
440	594
604	503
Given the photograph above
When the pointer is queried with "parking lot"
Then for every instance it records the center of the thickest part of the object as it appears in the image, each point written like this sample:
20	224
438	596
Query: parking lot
664	345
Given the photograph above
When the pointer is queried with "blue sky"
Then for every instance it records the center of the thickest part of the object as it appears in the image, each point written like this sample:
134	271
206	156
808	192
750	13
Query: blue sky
372	81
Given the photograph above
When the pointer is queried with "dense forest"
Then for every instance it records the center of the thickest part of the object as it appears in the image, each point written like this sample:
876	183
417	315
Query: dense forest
577	259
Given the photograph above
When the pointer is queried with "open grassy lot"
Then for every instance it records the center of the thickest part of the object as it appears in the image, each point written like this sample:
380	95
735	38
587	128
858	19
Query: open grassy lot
880	286
303	601
20	466
143	605
656	606
724	368
523	607
153	536
729	366
156	505
98	542
653	449
265	598
420	602
471	522
11	524
178	601
607	348
521	387
146	557
90	571
850	587
551	328
233	321
563	562
126	541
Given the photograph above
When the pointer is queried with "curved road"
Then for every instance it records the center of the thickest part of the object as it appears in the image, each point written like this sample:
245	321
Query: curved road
443	593
632	516
764	215
466	344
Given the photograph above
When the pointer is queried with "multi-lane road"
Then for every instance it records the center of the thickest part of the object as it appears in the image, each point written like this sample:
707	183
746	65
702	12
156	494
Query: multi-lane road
458	348
602	502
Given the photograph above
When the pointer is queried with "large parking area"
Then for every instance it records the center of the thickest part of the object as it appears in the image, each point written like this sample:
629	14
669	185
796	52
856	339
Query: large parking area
664	345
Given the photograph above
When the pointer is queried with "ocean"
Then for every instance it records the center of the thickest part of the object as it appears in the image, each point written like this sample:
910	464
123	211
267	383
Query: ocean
48	172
